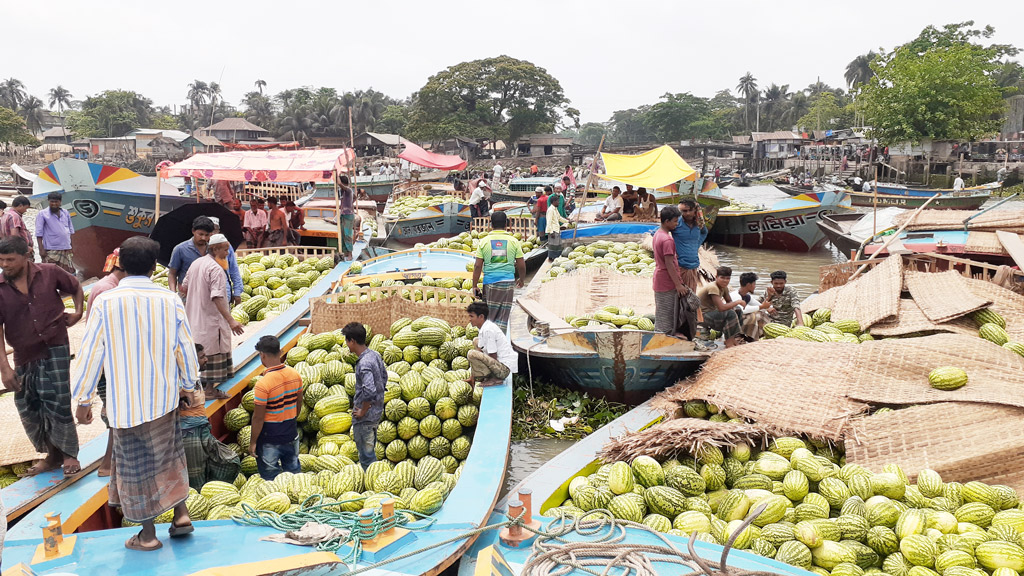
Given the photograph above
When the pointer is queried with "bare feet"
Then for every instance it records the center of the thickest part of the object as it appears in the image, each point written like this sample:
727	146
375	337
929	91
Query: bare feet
45	465
492	382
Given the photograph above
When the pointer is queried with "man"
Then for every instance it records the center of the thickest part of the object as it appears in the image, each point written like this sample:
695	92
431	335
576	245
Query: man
553	229
689	235
234	272
12	223
630	198
277	224
534	169
348	217
532	201
209	314
667	282
718	173
53	233
296	222
612	209
187	252
112	266
493	359
557	199
858	184
205	457
499	258
139	338
254	225
222	193
476	200
719	309
752	321
646	206
958	184
866	186
368	402
496	172
540	210
34	323
782	301
1000	175
278	399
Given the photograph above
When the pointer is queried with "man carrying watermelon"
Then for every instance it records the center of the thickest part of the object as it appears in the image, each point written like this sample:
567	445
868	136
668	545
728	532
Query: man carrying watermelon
368	403
277	399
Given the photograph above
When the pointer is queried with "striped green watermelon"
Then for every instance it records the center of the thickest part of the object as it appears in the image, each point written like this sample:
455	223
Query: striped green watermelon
430	425
418	447
994	333
647	472
628	506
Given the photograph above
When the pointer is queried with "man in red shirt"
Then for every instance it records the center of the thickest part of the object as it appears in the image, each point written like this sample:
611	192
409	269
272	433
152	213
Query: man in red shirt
540	209
12	222
668	285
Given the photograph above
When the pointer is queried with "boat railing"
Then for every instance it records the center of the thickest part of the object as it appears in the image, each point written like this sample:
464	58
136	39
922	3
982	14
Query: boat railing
302	252
267	189
381	307
524	224
834	275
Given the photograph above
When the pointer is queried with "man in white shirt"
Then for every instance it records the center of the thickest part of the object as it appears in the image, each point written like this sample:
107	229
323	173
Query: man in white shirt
958	184
612	209
477	199
496	172
494	359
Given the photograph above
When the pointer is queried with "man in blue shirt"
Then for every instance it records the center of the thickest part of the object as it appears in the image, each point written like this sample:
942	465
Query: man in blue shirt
689	235
189	251
234	274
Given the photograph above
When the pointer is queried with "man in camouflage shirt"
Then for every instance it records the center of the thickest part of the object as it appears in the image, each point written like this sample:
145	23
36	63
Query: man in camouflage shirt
784	301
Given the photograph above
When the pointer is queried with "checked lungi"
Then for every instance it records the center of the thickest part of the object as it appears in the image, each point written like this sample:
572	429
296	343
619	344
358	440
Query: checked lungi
348	232
206	457
62	258
727	322
44	402
219	369
149	474
674	313
498	296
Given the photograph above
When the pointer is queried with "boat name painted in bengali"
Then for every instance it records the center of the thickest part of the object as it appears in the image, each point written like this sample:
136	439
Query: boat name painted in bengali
139	217
769	223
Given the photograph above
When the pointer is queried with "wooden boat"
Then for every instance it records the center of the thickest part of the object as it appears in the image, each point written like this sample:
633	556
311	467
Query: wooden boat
94	542
959	243
903	190
431	223
622	365
107	205
413	264
789	224
794	189
847	231
321	223
952	201
548	486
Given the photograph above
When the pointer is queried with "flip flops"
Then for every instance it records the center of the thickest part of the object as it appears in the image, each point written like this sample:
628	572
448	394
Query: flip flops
176	531
135	543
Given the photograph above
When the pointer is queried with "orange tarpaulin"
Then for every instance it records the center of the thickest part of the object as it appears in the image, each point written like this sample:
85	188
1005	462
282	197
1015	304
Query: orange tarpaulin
421	157
265	165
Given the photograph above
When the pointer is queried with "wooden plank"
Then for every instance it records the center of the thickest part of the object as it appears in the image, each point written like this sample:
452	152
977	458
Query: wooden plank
1013	245
539	312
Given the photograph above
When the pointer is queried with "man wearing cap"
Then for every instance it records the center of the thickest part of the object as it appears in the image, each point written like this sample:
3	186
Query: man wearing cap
209	315
115	273
477	204
187	252
234	274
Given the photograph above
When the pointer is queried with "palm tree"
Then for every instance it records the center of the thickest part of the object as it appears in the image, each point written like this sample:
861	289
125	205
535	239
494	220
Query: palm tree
817	88
197	95
799	104
774	97
61	98
260	85
748	88
213	89
32	112
12	92
859	71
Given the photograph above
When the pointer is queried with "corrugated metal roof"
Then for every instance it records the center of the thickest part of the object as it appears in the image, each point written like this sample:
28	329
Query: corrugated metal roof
777	135
235	124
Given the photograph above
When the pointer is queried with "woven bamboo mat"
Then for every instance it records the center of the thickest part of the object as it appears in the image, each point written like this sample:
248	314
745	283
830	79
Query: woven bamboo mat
896	371
1006	302
912	320
943	296
680	436
984	242
585	290
826	299
15	446
784	385
1011	220
977	442
873	297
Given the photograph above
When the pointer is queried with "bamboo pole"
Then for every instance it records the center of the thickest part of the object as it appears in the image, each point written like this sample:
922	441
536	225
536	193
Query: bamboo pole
156	209
337	209
874	209
894	236
586	189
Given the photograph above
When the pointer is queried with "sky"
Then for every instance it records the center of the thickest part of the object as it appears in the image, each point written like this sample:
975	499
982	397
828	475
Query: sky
607	55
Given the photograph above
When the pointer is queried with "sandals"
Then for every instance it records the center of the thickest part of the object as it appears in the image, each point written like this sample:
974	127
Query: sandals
177	531
135	543
71	469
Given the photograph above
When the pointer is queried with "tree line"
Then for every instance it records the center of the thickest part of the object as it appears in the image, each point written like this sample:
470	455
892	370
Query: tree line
948	83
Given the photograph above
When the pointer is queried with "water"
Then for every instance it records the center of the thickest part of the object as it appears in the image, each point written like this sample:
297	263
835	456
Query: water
529	455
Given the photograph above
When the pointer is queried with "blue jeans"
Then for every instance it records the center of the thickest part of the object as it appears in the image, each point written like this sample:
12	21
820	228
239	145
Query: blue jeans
272	458
365	436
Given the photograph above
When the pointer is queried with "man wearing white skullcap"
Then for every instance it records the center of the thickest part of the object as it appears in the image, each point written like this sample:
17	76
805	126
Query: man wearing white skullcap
209	314
234	273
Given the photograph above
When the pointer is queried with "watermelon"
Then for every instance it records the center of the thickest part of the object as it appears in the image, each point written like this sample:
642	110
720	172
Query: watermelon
947	378
994	333
647	471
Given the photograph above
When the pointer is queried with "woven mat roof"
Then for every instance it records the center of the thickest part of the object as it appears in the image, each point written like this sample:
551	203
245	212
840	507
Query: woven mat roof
978	442
942	296
680	436
1011	220
984	243
15	447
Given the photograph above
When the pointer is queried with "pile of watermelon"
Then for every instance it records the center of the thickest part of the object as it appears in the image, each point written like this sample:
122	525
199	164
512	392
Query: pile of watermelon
821	513
819	327
406	205
422	290
625	257
274	282
423	439
470	242
610	316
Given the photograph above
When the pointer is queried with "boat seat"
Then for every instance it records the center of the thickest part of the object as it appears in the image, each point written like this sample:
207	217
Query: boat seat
539	312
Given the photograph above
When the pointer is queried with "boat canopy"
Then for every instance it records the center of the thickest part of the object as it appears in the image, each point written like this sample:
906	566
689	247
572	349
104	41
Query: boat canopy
72	175
653	169
421	157
265	165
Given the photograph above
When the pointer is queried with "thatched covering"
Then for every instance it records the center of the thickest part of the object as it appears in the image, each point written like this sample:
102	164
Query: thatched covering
681	436
1011	220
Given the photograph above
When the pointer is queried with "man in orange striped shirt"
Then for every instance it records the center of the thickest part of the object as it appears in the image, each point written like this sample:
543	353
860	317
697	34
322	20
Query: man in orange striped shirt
278	397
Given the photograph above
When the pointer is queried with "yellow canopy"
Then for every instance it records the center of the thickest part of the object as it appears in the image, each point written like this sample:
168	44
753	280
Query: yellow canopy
654	169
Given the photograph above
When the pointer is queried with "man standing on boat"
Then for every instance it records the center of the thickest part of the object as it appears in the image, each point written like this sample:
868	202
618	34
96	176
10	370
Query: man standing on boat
689	236
33	321
496	173
139	338
296	222
12	222
540	210
112	266
783	301
348	217
254	226
368	401
234	273
53	232
209	313
476	200
277	224
958	184
187	252
667	282
500	259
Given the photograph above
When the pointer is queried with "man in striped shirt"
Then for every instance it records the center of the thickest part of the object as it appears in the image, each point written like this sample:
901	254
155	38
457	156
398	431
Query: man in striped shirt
138	337
278	397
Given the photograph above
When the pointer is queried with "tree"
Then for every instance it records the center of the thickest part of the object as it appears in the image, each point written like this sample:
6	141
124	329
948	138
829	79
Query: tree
675	118
258	109
823	114
213	90
394	119
260	85
112	113
32	111
590	133
748	89
164	122
775	99
500	98
859	71
12	129
944	93
61	98
12	92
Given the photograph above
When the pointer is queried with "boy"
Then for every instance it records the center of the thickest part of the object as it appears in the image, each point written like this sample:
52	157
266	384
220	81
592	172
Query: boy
278	398
667	282
368	404
495	359
207	458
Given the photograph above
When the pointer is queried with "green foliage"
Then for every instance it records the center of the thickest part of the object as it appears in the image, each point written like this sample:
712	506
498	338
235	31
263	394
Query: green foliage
500	98
82	125
393	120
946	92
824	114
164	122
113	113
679	116
549	402
13	130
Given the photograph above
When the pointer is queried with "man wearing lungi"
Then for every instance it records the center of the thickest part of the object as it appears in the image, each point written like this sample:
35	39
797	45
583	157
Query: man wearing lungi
689	235
209	313
53	233
348	218
34	322
138	336
499	259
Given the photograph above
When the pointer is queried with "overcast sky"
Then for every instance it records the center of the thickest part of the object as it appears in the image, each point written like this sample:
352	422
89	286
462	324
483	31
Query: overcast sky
607	55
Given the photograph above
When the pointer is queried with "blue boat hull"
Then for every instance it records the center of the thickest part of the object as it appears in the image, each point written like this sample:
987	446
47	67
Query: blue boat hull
430	224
